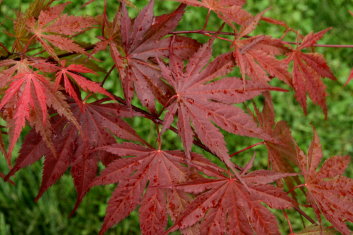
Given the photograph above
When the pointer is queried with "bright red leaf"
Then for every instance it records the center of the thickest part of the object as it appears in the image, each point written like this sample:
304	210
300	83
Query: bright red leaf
27	99
66	74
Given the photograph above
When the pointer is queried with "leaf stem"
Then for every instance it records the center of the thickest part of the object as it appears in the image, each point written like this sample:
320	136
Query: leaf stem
3	46
206	33
306	216
107	75
249	147
294	188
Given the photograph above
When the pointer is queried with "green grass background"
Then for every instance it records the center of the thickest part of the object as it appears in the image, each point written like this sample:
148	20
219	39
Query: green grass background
20	215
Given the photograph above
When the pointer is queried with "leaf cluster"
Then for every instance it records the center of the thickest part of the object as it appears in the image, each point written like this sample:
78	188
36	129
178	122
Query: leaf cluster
173	81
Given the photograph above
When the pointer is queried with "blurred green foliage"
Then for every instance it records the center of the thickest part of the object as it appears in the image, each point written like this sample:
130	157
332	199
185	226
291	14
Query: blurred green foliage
20	215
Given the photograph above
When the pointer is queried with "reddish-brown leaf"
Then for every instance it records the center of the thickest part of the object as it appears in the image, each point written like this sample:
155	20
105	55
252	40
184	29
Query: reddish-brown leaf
281	155
162	170
308	69
53	27
329	193
225	206
100	123
141	42
256	58
201	102
228	10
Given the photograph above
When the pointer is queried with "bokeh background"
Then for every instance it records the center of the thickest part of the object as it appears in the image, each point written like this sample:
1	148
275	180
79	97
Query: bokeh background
19	214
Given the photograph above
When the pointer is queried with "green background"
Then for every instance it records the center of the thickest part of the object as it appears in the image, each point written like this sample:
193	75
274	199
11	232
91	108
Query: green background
20	215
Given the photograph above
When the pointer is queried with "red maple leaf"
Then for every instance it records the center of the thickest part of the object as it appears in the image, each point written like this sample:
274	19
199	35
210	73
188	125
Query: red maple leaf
329	193
135	52
281	155
71	72
225	206
157	168
100	123
52	26
256	56
308	69
228	10
200	101
27	98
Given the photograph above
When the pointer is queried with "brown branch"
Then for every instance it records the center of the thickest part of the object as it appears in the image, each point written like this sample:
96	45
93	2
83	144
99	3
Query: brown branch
305	215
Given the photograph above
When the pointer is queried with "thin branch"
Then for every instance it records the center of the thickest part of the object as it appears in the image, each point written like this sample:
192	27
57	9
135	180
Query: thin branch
206	33
3	46
249	147
306	216
107	75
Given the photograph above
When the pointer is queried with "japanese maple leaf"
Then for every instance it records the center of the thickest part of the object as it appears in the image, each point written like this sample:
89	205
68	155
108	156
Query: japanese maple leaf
53	27
308	69
228	10
157	168
281	155
256	56
134	52
225	206
14	67
71	72
100	123
27	98
7	74
199	101
329	193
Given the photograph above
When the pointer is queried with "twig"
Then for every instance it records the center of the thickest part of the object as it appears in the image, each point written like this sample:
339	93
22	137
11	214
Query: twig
205	32
249	147
107	75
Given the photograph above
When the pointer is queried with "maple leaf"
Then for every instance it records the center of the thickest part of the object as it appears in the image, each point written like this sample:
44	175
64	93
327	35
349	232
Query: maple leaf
228	10
200	101
329	192
27	98
308	69
134	52
281	155
225	206
100	123
52	26
160	169
71	71
256	56
14	67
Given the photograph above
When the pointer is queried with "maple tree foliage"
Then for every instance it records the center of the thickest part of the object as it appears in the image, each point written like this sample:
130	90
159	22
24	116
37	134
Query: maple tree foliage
181	86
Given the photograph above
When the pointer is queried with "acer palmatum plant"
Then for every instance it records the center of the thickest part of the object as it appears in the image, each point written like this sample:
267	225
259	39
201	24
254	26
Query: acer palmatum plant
180	88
